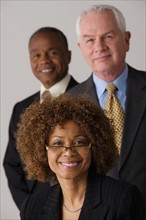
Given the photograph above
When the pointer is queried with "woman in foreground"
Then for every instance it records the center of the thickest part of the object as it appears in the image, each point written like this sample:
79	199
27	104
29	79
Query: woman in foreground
68	141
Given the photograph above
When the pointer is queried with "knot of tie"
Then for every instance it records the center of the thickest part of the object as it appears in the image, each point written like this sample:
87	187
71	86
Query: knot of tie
111	88
45	94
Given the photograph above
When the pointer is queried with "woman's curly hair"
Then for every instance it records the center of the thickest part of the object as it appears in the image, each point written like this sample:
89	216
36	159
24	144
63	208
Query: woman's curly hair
39	119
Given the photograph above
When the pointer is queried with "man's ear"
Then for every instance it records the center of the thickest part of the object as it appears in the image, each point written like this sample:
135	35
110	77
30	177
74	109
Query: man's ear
127	39
78	44
69	56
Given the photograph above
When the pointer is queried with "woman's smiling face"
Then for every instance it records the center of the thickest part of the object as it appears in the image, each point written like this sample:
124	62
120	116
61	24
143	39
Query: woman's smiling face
68	164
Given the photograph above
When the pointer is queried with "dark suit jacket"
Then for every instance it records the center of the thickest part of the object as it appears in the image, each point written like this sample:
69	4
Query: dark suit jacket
131	166
105	199
19	186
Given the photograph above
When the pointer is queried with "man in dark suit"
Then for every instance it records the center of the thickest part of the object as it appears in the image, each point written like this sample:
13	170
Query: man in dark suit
104	41
49	58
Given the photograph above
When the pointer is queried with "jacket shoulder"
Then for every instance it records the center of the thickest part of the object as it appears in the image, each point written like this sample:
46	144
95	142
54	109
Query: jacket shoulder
136	72
19	107
40	202
72	83
120	190
82	87
27	101
30	99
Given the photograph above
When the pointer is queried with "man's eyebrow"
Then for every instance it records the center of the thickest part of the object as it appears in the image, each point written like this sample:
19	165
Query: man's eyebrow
34	50
109	32
90	35
86	35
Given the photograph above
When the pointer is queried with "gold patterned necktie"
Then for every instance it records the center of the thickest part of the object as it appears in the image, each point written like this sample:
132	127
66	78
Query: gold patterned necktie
113	110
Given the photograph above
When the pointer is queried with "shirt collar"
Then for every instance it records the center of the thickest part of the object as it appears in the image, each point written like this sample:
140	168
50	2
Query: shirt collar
59	87
120	83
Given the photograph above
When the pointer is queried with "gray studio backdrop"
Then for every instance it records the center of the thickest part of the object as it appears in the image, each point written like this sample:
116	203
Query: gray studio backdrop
19	19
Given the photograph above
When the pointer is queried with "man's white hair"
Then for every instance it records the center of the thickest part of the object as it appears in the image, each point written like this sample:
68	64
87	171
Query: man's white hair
96	9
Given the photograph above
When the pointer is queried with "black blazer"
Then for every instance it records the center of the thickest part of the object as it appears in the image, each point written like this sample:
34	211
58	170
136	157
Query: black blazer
131	166
105	199
19	186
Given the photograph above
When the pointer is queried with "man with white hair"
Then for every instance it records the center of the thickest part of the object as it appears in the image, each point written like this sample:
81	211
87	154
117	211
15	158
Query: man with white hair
104	42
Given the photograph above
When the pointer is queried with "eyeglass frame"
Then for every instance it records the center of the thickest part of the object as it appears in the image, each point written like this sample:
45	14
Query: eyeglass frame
72	148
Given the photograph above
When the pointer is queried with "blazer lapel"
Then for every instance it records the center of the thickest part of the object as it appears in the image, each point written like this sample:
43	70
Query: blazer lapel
88	89
91	90
93	200
52	207
135	107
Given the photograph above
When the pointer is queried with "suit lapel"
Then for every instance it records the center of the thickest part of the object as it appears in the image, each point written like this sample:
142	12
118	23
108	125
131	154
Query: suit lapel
72	83
52	206
92	208
88	88
135	107
91	90
37	97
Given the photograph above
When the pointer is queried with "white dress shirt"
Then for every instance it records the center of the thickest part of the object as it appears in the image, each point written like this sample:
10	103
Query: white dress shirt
57	88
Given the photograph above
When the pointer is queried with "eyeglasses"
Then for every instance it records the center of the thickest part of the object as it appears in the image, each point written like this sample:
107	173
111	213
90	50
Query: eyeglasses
80	148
